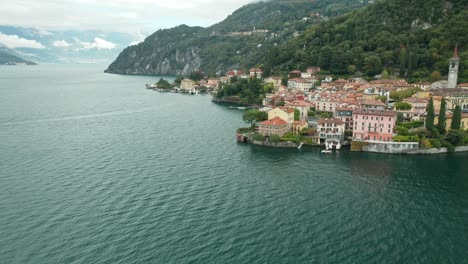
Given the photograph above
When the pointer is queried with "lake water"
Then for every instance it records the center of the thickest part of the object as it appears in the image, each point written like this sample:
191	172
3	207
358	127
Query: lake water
94	168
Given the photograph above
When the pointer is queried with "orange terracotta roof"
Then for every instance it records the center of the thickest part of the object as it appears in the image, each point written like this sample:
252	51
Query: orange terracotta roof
274	122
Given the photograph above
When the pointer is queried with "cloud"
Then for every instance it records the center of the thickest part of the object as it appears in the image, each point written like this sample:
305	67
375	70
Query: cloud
128	16
61	44
134	43
98	43
13	42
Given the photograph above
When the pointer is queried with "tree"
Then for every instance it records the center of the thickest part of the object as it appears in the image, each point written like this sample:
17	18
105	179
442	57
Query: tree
372	65
297	115
430	116
254	115
384	74
403	106
456	118
280	104
455	137
441	123
178	80
436	76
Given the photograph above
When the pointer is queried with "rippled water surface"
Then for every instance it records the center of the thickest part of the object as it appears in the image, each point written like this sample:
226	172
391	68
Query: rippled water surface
96	169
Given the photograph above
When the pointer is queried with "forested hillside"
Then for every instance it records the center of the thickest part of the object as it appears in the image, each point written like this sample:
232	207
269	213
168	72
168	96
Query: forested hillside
183	49
408	38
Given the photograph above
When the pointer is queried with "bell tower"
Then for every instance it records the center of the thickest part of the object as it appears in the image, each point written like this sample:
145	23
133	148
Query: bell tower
453	70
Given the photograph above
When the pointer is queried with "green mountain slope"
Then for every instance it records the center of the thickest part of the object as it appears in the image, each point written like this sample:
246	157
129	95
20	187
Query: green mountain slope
410	38
183	49
9	59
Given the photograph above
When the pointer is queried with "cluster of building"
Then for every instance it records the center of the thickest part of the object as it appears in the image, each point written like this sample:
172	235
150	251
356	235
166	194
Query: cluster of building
356	109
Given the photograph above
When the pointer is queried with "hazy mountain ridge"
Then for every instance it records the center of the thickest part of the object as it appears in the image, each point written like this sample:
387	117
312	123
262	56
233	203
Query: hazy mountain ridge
9	59
75	46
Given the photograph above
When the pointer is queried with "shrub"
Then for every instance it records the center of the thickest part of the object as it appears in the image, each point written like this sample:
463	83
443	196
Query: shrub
435	143
258	137
448	145
399	138
455	137
402	131
425	143
274	138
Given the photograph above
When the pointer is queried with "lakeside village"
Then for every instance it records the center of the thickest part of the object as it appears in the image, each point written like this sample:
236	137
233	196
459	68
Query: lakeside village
310	108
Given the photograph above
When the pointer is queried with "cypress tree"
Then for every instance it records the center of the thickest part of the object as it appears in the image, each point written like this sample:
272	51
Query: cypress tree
430	116
441	123
456	119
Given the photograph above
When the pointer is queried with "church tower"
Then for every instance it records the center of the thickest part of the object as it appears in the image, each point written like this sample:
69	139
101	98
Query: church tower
453	70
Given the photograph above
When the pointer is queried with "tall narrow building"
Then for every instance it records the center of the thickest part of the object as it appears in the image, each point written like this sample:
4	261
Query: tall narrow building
453	70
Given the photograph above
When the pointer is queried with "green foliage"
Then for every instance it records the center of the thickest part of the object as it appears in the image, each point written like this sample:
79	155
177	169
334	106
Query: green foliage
399	138
450	147
435	143
402	131
455	137
387	34
402	94
430	116
384	74
324	114
164	84
178	80
251	90
280	104
425	143
436	76
311	113
258	137
254	115
403	106
196	75
297	115
381	98
274	138
410	125
442	119
243	130
456	118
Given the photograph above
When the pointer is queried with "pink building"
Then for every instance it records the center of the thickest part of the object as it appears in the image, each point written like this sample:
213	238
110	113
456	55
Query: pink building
372	124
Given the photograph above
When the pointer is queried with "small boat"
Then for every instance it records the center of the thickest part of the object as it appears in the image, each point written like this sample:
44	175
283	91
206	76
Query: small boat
326	151
241	108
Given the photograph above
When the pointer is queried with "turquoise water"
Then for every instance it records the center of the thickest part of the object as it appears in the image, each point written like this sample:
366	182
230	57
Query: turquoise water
96	169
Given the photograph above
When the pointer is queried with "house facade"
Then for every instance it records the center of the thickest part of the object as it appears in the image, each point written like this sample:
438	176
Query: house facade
346	116
375	125
287	114
274	126
187	84
255	72
331	129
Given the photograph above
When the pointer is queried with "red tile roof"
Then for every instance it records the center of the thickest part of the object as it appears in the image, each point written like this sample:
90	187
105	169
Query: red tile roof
274	122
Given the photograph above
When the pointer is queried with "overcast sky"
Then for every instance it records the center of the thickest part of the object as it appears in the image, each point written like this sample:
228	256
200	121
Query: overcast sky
133	16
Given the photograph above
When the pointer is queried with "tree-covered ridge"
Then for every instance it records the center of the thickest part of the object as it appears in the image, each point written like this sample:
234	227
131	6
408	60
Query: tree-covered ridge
412	38
276	15
183	49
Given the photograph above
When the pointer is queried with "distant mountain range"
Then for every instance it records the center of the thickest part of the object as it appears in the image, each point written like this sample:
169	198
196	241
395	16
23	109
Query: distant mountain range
8	59
86	46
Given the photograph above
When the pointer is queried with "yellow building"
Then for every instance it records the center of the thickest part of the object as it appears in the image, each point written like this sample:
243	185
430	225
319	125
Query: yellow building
448	121
298	126
287	114
275	126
